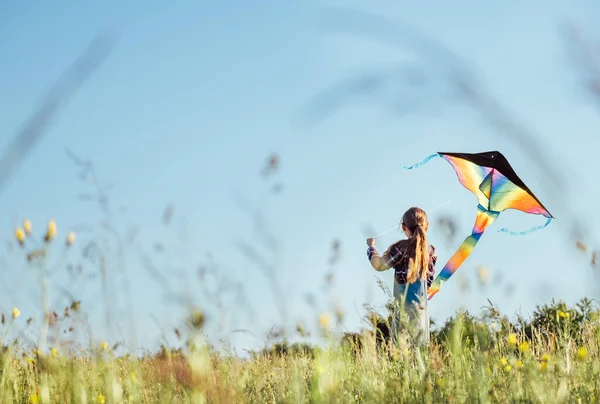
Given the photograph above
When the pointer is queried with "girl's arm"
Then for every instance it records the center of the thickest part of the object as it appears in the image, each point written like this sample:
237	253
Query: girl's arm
377	262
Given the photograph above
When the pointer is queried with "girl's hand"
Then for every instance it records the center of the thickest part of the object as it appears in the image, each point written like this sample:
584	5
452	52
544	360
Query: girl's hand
371	242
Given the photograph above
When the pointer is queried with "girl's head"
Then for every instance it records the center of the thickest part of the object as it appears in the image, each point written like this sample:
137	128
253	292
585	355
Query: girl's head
415	225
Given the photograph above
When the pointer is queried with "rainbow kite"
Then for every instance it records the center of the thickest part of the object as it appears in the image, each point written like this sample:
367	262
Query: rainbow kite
497	187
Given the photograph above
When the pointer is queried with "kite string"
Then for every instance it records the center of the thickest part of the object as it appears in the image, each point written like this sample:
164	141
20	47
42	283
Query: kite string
396	226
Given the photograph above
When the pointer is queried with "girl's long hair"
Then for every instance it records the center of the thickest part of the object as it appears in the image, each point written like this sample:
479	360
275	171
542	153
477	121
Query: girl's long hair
415	219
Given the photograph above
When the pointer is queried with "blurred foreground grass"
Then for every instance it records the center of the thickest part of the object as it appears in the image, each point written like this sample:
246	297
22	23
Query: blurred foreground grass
553	357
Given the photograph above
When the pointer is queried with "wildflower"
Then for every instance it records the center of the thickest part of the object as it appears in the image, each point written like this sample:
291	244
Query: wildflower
27	226
519	364
54	352
34	399
582	353
507	368
20	235
503	361
15	313
545	357
101	399
524	346
31	361
70	238
512	339
51	231
133	378
483	275
544	365
301	330
324	320
440	382
104	345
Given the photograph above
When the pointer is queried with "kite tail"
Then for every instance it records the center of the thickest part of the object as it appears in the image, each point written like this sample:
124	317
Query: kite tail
527	231
484	219
425	161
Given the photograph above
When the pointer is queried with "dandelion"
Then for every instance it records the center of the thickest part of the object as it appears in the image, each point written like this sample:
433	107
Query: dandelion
15	313
512	339
51	231
27	226
71	238
20	235
582	353
524	346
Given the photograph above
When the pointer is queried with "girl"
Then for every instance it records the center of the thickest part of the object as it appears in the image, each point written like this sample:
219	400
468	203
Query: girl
413	261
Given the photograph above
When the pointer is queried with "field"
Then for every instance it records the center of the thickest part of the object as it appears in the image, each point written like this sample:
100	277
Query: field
551	358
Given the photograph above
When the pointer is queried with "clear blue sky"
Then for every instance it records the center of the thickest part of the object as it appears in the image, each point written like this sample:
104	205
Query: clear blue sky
196	95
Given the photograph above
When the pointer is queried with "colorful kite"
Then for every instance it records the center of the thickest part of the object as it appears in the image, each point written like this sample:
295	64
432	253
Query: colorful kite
497	187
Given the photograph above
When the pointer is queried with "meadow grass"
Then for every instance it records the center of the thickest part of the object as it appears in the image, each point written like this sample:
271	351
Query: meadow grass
485	359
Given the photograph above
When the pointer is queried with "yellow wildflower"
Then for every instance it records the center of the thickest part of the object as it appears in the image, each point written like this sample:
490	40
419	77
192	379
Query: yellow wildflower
101	399
519	364
20	235
507	368
34	399
54	352
71	238
104	345
582	353
324	320
16	313
483	275
512	339
544	365
503	361
27	226
524	346
31	360
51	231
545	357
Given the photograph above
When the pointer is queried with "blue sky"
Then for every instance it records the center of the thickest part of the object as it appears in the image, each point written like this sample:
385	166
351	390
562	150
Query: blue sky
196	95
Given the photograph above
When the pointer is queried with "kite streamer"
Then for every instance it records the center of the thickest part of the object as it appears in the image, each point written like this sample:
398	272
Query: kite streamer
490	177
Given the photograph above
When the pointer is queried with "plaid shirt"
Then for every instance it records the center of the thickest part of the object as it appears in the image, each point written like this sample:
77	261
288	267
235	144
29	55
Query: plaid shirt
396	257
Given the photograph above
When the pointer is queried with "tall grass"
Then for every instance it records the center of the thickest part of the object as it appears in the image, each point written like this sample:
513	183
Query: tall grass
483	359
